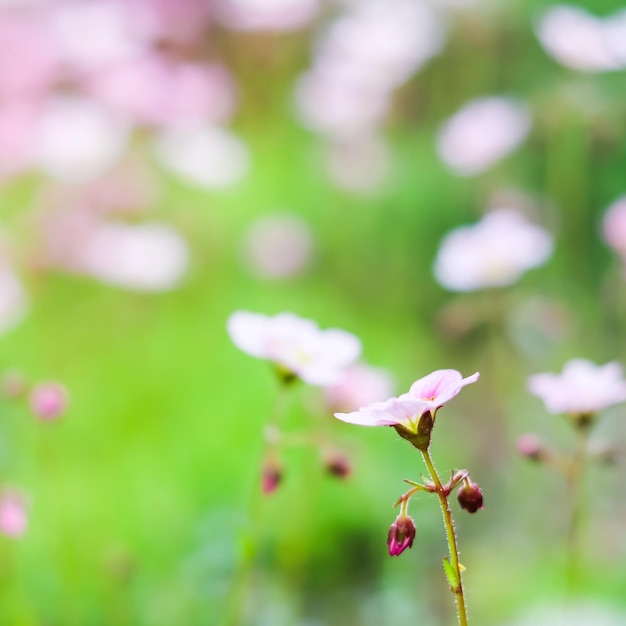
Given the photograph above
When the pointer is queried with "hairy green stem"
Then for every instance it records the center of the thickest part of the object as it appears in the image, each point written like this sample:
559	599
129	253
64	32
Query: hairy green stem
452	544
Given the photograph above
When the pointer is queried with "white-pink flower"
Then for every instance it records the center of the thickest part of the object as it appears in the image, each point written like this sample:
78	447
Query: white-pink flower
495	252
614	226
481	133
359	386
296	345
13	514
427	394
583	388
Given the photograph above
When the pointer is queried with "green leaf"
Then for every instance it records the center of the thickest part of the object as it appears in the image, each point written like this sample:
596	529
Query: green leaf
451	574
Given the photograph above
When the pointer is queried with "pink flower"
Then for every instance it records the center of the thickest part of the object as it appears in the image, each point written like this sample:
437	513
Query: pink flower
427	394
13	514
359	386
48	400
614	226
495	252
582	389
296	345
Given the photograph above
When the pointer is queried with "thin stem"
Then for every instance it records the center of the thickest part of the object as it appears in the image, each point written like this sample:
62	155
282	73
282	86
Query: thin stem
575	480
452	544
235	610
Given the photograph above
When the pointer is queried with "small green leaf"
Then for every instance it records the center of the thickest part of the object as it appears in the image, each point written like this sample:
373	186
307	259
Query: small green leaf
451	575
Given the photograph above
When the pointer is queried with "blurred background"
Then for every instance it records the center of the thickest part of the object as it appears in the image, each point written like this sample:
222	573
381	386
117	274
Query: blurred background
164	163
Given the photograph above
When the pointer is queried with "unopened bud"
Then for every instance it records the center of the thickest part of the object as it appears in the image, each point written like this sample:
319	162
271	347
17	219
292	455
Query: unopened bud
338	465
13	384
48	400
531	447
470	497
271	477
401	535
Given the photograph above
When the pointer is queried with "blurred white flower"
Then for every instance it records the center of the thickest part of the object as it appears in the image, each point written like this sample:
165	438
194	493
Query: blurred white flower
13	302
278	246
614	227
381	42
588	614
359	386
360	163
76	140
481	133
92	34
296	345
336	107
208	156
147	257
272	15
582	389
495	252
581	41
13	514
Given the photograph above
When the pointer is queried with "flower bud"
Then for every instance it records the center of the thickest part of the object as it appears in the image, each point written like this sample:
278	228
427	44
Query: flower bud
470	497
271	476
48	400
338	465
13	514
401	535
531	447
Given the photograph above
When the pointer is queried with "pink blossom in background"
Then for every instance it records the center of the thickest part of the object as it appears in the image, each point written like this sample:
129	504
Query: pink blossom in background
24	37
278	246
582	388
265	15
614	227
153	89
360	163
147	257
48	400
427	394
13	514
18	119
76	140
296	345
13	300
495	252
360	385
482	133
582	41
208	156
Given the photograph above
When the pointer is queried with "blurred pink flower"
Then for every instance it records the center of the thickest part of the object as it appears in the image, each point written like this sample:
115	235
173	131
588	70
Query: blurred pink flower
48	400
360	385
495	252
208	156
152	89
271	15
481	133
614	227
278	246
147	257
583	388
581	41
296	345
18	119
360	163
427	394
13	514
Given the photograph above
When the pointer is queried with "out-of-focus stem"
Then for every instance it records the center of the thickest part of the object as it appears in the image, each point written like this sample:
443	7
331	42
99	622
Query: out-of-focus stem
236	606
575	480
452	544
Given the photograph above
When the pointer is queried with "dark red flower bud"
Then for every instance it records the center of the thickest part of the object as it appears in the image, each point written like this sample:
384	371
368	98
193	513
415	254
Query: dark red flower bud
401	535
271	477
338	465
470	497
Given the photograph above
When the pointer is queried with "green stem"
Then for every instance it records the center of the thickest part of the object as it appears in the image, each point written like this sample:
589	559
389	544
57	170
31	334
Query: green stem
575	479
452	544
235	610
